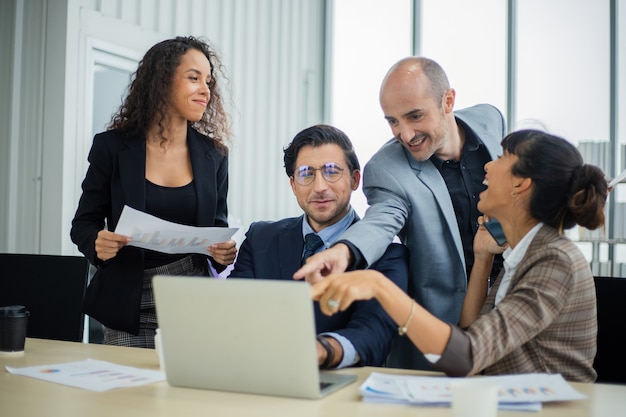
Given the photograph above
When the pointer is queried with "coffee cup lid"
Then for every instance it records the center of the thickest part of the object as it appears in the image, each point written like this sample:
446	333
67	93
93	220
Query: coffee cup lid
13	311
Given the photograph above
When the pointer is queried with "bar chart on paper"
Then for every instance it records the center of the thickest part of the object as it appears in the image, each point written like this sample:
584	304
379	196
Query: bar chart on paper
150	232
156	240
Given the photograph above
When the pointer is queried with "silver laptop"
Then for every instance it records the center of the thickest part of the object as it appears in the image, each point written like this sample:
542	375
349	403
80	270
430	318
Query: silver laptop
242	335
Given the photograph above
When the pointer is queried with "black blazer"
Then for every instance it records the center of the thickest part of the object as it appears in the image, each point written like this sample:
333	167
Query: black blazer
116	177
273	250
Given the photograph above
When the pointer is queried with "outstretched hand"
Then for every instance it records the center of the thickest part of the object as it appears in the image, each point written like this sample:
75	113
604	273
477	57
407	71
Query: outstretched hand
330	261
338	291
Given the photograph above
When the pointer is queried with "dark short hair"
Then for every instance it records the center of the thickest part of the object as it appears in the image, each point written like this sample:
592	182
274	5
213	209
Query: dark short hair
566	191
315	136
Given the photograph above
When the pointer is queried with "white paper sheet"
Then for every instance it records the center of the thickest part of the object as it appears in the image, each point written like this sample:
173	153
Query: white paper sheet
91	375
618	179
517	392
150	232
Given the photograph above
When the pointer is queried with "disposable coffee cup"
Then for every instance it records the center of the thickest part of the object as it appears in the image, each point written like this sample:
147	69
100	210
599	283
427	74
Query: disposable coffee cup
13	325
472	397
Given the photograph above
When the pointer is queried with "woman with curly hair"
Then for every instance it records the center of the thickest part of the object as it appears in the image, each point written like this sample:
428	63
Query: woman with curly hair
540	314
164	153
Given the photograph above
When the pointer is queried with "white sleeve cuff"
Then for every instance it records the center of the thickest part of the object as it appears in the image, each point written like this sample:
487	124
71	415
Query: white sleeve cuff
432	358
350	355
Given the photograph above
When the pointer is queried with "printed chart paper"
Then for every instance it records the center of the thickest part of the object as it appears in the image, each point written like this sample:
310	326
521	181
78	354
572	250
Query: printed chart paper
517	392
150	232
91	375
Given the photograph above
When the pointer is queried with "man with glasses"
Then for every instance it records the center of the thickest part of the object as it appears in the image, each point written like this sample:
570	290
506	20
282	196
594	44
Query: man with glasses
323	170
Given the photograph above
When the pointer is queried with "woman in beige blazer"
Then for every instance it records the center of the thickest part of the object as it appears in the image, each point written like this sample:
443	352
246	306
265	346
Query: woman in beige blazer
540	314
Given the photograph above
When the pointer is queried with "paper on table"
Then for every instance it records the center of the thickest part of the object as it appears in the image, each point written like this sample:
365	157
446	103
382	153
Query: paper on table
150	232
618	179
91	375
520	392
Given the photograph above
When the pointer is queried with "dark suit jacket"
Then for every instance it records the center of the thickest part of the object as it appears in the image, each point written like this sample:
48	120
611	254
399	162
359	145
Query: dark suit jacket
116	177
273	250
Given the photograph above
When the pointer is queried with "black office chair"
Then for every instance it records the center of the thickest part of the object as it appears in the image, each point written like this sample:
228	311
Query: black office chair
51	287
610	362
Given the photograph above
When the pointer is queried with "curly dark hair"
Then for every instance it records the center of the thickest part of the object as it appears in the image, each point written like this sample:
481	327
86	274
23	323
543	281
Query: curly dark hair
149	92
567	191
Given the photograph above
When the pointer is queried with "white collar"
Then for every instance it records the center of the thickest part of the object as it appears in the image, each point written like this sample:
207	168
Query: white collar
512	258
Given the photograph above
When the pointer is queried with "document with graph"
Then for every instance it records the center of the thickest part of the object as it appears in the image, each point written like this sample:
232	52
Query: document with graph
150	232
522	392
90	374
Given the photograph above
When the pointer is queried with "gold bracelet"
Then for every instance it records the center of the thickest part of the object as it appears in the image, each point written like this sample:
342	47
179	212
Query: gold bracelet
402	330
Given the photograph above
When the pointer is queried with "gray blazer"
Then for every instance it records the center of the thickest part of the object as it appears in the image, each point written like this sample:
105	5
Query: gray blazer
410	199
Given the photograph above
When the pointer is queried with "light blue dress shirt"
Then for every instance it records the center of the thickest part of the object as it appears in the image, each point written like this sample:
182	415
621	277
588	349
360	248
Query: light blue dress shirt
329	235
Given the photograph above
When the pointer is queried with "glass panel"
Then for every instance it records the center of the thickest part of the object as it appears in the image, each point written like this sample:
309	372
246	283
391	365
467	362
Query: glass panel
109	84
563	86
112	72
367	38
468	39
563	71
619	194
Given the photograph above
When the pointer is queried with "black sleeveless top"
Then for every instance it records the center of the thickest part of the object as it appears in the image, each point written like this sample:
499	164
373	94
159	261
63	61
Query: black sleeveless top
174	204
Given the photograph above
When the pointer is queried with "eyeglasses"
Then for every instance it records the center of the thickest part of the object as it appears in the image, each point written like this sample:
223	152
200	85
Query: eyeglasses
305	174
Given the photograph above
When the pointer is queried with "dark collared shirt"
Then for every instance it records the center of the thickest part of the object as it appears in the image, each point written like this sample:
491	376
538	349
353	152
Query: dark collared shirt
464	180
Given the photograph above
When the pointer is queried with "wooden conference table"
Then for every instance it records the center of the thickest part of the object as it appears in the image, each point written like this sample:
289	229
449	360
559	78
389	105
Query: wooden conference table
24	396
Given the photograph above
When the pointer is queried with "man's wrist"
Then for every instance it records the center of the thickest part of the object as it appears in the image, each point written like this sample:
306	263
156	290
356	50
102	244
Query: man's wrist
346	252
330	352
334	351
355	259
